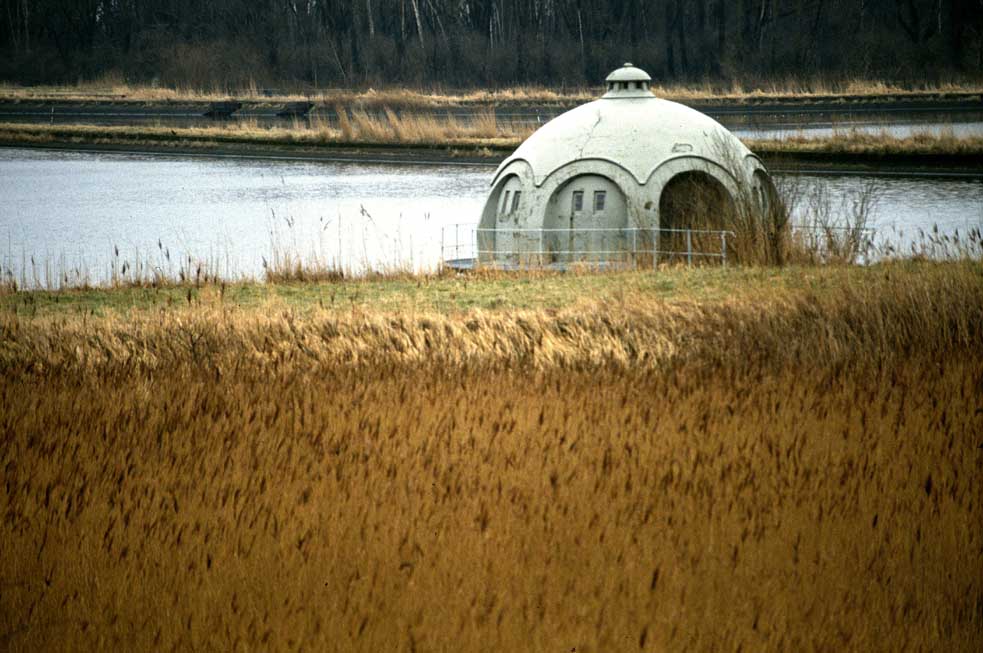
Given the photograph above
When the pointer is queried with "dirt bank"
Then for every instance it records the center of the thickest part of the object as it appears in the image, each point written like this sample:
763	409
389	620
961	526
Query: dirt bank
846	151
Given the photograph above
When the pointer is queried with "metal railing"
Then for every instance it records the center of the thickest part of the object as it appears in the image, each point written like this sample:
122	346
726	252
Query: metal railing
458	242
633	246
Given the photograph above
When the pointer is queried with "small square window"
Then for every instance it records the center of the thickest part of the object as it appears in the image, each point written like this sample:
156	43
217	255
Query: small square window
505	202
578	200
599	197
515	201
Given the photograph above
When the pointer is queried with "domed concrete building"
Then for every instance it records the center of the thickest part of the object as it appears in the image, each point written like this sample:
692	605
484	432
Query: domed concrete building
589	183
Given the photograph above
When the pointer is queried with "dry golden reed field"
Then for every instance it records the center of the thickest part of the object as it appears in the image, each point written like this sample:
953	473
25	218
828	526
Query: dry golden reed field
790	469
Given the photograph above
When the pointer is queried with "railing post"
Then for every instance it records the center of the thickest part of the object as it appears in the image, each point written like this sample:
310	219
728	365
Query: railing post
723	247
655	248
634	246
457	241
689	247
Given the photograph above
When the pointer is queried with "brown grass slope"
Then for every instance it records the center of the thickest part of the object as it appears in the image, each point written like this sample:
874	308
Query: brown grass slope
891	311
484	136
779	89
361	129
793	471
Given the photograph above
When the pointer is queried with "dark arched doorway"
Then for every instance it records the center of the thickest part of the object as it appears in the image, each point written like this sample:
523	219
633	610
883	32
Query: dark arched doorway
694	201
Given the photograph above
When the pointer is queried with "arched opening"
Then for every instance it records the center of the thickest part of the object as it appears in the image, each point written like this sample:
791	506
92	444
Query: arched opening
694	203
503	213
585	220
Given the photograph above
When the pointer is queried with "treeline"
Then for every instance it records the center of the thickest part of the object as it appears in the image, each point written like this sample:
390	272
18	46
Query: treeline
467	43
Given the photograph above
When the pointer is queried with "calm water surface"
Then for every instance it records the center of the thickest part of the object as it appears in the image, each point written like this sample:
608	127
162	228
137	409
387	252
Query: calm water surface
77	207
73	210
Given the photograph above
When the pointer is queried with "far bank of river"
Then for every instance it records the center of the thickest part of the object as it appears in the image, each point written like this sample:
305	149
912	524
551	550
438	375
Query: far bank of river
924	153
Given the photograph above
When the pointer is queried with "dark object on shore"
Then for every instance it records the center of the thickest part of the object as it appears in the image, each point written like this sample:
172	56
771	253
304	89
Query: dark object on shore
295	109
223	109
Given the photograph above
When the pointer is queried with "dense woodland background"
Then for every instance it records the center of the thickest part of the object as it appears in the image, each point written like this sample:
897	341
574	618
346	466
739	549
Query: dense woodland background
493	43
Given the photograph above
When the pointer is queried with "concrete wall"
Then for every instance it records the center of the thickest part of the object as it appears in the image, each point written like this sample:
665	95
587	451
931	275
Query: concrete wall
509	219
628	204
504	235
765	193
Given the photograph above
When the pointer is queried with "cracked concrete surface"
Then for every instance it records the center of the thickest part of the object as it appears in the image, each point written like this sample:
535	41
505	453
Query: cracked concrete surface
590	134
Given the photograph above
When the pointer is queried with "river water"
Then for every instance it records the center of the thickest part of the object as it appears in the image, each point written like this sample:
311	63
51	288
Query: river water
80	213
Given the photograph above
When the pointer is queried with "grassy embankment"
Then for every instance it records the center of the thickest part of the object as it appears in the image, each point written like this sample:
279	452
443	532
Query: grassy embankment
483	137
787	89
695	459
446	293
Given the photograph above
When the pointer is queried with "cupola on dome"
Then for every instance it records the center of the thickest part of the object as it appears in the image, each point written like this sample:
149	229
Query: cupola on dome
589	178
628	81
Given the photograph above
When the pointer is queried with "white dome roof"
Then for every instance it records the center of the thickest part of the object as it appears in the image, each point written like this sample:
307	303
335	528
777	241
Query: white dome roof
628	73
636	133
